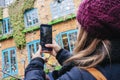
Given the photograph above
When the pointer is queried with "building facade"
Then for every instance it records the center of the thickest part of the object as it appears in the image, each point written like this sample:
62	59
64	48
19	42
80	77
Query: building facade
60	14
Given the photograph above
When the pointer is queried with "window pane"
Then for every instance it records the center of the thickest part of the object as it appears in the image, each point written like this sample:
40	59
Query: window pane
28	19
73	38
33	47
6	67
65	41
0	27
32	51
4	27
2	3
31	17
9	26
59	40
34	17
8	2
62	8
13	61
9	62
37	46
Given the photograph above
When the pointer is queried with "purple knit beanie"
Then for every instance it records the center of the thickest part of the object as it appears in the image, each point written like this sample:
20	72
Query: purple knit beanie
100	18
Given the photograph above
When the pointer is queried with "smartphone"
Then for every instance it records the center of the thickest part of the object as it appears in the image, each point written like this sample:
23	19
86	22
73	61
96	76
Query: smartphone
45	36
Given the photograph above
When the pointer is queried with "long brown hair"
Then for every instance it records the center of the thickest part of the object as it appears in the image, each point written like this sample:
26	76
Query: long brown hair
89	51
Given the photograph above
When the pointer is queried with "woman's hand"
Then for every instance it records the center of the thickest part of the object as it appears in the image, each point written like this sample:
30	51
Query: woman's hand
55	48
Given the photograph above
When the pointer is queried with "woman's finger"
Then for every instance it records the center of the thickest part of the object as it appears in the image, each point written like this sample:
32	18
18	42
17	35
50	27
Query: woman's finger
50	45
39	50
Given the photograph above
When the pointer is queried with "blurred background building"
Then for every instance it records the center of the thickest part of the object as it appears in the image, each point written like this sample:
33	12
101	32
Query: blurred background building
61	14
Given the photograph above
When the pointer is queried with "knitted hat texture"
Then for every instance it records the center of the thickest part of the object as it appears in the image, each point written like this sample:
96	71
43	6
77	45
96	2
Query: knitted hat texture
100	18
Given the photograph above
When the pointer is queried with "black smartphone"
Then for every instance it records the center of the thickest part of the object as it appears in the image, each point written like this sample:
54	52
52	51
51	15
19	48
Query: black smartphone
45	36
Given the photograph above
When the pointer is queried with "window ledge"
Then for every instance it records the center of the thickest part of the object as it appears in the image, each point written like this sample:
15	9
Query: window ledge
30	29
4	37
62	19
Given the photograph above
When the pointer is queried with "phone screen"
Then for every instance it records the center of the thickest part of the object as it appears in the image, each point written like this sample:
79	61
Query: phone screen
45	36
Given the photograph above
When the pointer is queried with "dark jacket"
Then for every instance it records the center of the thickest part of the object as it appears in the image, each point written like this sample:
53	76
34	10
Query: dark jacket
34	70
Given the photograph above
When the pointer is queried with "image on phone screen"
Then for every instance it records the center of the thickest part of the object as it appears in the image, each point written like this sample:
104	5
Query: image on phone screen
45	36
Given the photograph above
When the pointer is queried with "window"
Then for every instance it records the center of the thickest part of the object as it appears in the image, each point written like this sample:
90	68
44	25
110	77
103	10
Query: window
32	48
60	8
67	39
6	27
4	3
31	18
9	62
8	2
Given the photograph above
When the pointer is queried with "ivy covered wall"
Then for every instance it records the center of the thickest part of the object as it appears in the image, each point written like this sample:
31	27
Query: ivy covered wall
16	13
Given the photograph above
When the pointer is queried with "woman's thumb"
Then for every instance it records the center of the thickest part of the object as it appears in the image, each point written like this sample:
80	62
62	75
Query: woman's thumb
49	45
39	48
